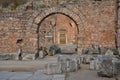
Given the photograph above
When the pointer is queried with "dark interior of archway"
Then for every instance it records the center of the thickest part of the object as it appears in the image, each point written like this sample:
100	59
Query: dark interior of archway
58	29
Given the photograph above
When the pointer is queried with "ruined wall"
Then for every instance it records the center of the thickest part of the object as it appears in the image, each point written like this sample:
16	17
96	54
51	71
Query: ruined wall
15	26
99	25
95	21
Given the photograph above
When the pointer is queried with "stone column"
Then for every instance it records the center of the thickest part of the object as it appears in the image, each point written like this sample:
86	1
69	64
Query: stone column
118	25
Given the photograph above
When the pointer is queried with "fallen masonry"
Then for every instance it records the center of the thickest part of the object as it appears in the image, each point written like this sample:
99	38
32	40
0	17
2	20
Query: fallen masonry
66	63
39	54
8	56
56	67
51	67
51	64
103	59
47	68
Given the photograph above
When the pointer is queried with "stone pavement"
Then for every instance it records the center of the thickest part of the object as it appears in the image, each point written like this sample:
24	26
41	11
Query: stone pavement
5	75
38	75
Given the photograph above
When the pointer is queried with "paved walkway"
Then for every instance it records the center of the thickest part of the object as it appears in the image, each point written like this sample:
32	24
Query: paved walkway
38	75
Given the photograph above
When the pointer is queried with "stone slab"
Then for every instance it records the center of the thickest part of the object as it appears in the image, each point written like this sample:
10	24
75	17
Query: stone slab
39	75
58	77
21	76
5	75
53	68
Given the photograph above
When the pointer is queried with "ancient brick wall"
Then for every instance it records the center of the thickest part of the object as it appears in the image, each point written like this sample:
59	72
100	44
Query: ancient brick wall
15	26
99	26
95	20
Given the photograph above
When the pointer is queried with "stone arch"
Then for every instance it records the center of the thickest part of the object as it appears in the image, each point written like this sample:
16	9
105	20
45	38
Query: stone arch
58	13
77	18
65	11
59	27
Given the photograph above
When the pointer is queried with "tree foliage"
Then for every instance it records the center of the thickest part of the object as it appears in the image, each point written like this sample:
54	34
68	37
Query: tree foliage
4	3
15	3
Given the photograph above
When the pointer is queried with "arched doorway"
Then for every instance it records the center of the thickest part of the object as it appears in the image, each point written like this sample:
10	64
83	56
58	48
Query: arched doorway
58	29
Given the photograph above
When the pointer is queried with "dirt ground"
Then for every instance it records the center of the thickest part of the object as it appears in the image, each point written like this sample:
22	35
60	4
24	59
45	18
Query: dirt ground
85	74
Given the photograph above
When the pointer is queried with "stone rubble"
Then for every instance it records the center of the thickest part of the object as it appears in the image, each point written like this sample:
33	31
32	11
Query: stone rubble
53	68
109	52
86	59
106	65
8	56
65	64
41	54
26	56
106	60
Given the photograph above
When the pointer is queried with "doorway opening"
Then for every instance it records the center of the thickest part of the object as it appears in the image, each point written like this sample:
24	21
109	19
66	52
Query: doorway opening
58	29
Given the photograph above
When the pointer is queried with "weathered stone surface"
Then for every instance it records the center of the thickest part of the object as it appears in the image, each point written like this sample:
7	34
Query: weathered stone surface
85	51
65	63
116	66
53	68
38	75
103	50
70	63
7	56
41	54
95	63
100	51
86	59
92	66
58	77
72	66
106	66
28	56
5	75
109	52
94	49
55	49
20	76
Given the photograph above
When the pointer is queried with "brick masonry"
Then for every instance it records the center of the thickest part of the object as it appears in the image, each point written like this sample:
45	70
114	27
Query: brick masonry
95	22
